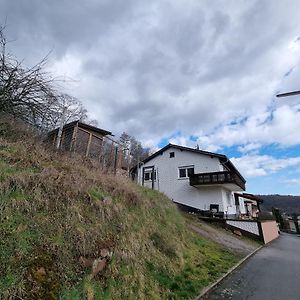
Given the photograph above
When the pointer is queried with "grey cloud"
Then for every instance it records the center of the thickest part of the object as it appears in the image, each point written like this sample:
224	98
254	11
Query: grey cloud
63	24
155	67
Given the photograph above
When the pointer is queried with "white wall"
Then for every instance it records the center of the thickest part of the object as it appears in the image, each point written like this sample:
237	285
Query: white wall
179	190
251	227
242	205
229	202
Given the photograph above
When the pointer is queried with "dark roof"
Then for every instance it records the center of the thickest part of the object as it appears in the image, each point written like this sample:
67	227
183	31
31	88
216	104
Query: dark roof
223	158
84	126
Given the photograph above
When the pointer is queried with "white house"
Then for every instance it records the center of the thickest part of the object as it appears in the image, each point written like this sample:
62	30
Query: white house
194	178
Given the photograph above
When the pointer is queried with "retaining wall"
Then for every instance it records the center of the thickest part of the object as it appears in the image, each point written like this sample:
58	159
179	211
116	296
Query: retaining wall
265	231
269	230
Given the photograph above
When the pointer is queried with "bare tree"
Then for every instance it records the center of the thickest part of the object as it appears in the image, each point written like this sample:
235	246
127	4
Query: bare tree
24	92
31	93
67	108
134	152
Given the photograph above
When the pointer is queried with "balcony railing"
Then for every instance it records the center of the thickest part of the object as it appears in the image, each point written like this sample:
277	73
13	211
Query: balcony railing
221	177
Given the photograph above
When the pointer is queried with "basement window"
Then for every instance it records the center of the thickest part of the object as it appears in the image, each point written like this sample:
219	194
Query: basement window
186	172
172	154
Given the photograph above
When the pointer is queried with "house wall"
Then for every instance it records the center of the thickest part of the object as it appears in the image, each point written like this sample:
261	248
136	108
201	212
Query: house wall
230	208
178	189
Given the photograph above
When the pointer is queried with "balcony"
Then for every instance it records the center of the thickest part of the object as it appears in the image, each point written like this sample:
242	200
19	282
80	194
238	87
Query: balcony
227	179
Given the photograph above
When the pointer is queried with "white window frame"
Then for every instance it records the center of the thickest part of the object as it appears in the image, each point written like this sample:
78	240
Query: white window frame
186	171
149	172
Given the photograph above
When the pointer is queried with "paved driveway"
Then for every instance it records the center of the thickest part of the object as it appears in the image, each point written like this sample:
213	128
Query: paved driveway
272	273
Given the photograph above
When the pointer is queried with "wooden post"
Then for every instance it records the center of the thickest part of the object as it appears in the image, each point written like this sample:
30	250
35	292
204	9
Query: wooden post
61	126
116	159
120	158
111	154
138	169
62	138
88	145
74	136
152	178
101	151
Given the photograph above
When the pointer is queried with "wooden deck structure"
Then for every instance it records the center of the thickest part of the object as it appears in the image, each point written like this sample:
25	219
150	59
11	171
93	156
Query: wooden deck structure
81	138
218	178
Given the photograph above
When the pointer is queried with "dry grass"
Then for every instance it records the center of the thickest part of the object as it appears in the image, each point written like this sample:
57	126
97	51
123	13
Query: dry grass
55	208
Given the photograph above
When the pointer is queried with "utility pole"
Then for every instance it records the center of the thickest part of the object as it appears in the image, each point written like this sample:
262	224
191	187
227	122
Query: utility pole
138	169
287	94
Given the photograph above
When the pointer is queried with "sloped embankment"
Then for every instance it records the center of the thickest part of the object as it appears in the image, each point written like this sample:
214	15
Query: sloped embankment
69	231
238	244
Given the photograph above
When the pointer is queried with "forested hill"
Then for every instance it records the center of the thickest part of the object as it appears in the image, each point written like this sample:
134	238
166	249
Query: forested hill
287	203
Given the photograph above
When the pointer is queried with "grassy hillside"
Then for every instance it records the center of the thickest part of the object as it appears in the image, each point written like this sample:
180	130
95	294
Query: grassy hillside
58	213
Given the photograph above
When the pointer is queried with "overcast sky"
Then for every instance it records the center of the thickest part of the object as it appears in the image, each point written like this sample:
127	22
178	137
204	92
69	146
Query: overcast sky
190	72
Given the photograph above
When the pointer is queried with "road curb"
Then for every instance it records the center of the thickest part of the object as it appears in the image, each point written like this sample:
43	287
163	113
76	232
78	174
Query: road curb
208	289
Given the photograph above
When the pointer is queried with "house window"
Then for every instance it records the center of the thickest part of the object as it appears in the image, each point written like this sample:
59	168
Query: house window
214	207
186	172
148	175
172	154
182	173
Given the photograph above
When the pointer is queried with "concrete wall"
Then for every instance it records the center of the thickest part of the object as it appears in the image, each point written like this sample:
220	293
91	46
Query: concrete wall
270	230
248	226
179	189
266	230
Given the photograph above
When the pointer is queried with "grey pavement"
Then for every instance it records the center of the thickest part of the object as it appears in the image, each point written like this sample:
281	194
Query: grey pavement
273	273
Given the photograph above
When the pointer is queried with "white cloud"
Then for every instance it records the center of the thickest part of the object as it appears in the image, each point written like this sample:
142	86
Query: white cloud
183	141
292	182
251	147
280	126
261	165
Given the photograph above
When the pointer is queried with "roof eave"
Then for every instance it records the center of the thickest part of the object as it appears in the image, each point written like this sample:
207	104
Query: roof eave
83	125
220	156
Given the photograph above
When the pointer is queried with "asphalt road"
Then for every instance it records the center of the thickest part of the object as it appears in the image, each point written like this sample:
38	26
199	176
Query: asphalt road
273	273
